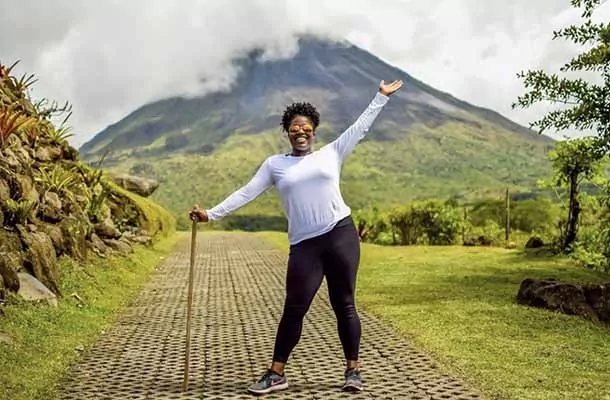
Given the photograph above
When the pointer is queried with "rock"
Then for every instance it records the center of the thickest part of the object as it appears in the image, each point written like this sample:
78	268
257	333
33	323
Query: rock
11	259
591	302
534	242
142	186
31	289
8	273
22	156
53	200
40	257
73	231
5	190
69	152
481	240
118	246
107	229
469	242
50	209
598	297
27	190
11	160
134	238
511	245
127	242
56	153
57	237
48	153
98	246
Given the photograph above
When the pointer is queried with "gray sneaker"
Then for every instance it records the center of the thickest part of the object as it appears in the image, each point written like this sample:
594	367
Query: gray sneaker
270	381
353	381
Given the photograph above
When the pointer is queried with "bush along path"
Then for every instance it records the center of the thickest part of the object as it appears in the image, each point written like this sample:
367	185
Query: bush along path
237	302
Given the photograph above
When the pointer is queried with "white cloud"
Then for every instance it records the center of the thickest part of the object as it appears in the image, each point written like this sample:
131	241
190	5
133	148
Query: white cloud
108	58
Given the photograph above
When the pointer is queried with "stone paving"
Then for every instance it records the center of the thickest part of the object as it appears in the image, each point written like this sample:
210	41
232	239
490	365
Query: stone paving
237	302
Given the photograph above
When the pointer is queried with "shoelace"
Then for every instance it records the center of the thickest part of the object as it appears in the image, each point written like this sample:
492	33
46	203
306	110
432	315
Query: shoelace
268	376
352	372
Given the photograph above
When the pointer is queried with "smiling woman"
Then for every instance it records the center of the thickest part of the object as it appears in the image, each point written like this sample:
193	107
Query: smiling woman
322	235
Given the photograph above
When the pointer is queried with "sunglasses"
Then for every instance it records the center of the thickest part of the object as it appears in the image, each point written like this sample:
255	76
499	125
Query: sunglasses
292	129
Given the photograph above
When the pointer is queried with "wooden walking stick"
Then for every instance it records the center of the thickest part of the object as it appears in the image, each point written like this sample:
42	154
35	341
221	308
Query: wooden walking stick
189	306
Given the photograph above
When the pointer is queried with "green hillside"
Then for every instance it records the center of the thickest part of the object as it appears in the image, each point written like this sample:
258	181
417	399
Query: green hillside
445	161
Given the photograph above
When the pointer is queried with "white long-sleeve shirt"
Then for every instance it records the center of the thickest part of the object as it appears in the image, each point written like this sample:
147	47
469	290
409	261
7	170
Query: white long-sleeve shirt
308	185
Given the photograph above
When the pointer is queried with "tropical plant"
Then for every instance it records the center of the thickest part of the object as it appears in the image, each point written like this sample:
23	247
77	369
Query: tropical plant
56	179
11	121
19	212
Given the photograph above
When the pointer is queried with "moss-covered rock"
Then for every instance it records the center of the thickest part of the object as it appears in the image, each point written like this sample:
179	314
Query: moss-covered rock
40	258
11	258
119	246
51	208
27	191
139	185
69	152
107	229
98	246
10	160
54	232
131	209
48	153
74	233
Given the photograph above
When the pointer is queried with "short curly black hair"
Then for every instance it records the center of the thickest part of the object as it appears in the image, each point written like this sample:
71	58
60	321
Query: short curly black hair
304	109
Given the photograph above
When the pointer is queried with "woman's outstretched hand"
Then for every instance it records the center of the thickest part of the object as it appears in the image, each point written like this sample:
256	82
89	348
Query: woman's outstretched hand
198	215
389	88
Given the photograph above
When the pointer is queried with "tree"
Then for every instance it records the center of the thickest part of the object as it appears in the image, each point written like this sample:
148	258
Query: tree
574	161
585	105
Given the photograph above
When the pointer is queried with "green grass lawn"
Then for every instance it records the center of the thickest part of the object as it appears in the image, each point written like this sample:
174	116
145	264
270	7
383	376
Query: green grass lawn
46	340
458	304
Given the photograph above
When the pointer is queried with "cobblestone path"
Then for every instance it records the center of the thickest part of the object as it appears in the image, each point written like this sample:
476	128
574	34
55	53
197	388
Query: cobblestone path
238	298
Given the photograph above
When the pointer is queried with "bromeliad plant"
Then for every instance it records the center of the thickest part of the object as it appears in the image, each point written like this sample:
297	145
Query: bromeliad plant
11	121
56	179
19	112
95	190
13	90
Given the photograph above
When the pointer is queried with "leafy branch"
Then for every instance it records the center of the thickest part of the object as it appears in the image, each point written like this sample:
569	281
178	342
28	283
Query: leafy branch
585	105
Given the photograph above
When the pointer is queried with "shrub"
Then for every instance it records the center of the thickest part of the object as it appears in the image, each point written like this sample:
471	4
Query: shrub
592	246
489	233
532	215
372	224
432	223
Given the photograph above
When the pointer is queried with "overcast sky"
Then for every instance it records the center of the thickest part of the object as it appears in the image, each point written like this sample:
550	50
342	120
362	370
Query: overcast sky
108	58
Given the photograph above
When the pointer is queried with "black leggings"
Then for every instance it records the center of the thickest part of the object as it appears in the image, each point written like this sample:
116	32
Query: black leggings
336	255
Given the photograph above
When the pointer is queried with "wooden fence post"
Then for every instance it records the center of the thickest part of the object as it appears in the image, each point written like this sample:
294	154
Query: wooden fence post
507	227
